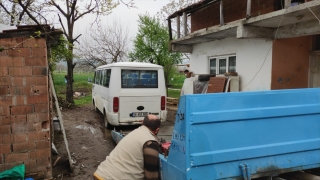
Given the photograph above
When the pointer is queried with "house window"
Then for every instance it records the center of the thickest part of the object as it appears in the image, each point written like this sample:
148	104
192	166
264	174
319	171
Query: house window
221	65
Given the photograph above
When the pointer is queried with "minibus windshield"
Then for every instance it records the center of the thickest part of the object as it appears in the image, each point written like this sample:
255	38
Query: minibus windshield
139	78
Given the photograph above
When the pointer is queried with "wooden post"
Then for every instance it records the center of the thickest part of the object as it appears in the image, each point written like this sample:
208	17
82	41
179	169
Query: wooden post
248	9
287	3
221	13
178	26
185	26
61	121
170	30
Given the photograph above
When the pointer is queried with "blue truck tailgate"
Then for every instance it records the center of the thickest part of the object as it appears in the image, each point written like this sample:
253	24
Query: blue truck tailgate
244	135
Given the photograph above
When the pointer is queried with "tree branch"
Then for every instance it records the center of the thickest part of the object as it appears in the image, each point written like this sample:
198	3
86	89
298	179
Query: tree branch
58	7
130	4
75	39
29	14
87	12
64	30
73	10
5	9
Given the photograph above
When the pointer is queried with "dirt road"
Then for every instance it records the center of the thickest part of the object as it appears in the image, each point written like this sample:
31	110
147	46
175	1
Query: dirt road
89	142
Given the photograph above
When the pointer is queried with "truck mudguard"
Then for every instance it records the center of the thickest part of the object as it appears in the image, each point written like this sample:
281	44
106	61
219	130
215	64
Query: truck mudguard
244	135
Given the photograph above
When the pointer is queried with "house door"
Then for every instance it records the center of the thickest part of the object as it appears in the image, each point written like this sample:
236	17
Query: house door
314	78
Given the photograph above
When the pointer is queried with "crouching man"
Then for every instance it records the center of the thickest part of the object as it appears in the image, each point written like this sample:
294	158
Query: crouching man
136	156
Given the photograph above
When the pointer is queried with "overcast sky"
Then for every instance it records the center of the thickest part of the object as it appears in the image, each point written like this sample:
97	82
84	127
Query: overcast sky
127	16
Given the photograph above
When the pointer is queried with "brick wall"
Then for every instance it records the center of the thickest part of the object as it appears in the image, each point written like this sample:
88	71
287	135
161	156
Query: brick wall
233	10
24	106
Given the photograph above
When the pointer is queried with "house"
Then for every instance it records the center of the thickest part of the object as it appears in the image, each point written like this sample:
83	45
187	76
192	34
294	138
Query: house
271	44
25	99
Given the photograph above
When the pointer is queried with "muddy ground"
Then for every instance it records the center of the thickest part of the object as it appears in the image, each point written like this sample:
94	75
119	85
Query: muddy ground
89	142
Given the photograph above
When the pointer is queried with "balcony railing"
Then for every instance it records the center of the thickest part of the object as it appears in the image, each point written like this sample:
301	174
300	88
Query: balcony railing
197	6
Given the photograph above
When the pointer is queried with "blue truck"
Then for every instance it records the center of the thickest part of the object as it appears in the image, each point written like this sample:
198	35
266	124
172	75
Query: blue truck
244	135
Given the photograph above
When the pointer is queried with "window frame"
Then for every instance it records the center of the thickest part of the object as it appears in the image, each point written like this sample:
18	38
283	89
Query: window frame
97	77
107	79
217	65
102	77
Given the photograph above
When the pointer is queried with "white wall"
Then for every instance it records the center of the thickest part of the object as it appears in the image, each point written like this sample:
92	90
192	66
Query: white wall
252	55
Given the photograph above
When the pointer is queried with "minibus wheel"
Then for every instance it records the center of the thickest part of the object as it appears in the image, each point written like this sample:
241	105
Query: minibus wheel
95	107
105	120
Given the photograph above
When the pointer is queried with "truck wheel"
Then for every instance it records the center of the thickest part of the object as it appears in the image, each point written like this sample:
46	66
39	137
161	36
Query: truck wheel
106	123
205	77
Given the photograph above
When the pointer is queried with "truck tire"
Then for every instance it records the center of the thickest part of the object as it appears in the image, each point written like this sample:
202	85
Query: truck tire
205	77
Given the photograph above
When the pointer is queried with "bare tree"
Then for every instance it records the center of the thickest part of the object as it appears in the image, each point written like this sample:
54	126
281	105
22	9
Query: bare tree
170	8
69	12
105	44
12	13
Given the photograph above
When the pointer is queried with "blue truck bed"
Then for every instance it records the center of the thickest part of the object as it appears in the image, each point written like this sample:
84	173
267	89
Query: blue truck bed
244	135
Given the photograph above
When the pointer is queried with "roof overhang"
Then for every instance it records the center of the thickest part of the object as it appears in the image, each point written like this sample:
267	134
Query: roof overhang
32	30
294	21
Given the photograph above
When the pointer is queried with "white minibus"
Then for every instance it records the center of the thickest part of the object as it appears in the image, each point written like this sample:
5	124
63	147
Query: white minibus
125	92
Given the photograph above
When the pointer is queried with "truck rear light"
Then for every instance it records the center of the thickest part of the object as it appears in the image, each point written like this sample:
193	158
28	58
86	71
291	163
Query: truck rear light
115	104
163	103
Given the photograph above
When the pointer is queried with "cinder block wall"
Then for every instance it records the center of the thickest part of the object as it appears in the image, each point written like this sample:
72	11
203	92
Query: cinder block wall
24	106
233	10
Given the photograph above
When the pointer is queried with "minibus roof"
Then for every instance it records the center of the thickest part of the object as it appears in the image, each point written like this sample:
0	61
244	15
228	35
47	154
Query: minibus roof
130	64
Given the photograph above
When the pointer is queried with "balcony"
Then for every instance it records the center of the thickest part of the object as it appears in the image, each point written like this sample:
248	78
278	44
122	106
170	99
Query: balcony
294	20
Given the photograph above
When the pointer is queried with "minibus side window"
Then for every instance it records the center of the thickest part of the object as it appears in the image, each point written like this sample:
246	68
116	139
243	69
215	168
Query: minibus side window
94	77
97	80
103	77
108	77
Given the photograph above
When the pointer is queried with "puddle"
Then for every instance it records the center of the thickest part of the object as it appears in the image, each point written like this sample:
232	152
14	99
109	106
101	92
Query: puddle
84	147
92	130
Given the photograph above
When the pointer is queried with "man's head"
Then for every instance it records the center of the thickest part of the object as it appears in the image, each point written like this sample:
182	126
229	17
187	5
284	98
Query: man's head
152	122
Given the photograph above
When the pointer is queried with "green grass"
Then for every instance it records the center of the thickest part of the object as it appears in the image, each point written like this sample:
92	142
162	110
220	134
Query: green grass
176	81
173	93
83	100
80	84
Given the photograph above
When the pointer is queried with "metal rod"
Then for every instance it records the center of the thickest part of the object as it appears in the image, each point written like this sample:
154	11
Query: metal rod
244	173
178	26
221	13
170	30
248	9
185	24
248	172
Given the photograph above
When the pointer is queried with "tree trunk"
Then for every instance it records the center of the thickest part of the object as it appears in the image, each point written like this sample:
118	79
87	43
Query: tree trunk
70	66
69	94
